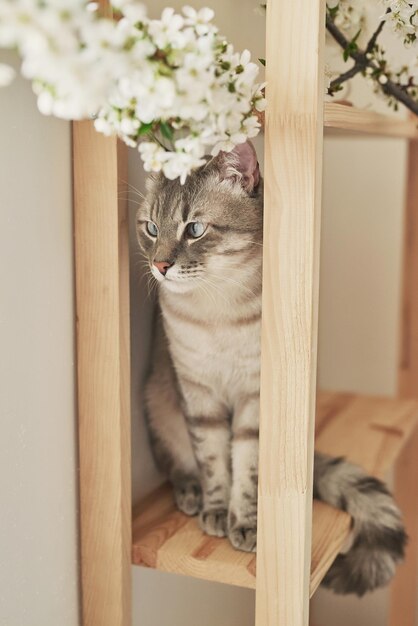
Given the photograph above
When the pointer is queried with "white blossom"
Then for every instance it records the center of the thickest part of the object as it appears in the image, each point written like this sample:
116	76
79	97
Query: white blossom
152	155
350	15
403	17
172	86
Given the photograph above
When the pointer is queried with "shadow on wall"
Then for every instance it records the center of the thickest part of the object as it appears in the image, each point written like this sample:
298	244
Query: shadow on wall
145	476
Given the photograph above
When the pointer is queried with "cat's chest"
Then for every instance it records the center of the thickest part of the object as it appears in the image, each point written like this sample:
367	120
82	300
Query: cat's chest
224	355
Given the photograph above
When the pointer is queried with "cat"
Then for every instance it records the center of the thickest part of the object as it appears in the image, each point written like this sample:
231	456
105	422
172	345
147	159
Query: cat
203	242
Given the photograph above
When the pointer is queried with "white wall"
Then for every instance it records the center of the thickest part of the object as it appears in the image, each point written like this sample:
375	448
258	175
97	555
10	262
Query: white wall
38	547
362	225
360	300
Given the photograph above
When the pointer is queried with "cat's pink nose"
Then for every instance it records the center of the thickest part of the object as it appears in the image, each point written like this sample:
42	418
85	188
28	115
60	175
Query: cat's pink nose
162	266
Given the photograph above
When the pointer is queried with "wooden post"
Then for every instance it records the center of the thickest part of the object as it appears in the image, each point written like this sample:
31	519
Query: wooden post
404	597
102	296
293	173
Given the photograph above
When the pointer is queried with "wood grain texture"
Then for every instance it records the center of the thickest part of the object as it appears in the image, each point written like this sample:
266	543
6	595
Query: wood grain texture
368	431
404	596
102	301
293	170
340	117
165	539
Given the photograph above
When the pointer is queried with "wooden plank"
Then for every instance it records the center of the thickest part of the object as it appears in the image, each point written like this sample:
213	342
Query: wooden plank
368	431
102	296
404	596
341	117
293	162
330	531
165	539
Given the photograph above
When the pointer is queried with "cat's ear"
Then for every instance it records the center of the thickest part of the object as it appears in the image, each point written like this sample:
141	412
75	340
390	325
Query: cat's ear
241	165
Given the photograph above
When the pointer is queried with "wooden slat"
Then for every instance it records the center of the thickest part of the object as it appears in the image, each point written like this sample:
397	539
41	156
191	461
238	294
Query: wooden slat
165	539
404	597
330	531
340	117
102	296
368	431
293	168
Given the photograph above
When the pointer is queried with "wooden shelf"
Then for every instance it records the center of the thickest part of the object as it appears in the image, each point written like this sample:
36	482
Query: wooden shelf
368	431
342	118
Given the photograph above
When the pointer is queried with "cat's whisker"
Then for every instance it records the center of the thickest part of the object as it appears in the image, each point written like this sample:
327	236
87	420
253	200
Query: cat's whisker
234	282
215	288
151	284
133	188
128	191
130	200
203	284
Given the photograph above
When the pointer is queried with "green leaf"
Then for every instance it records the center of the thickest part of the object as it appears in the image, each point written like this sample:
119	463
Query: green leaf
351	47
263	62
144	129
166	130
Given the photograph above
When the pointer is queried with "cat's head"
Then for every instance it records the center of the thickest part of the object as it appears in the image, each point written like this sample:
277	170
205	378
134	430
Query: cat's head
206	229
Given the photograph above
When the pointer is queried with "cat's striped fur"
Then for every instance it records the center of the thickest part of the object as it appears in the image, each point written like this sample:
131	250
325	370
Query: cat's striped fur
202	393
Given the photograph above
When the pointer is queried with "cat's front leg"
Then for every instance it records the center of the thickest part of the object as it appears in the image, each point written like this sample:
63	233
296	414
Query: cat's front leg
209	427
242	519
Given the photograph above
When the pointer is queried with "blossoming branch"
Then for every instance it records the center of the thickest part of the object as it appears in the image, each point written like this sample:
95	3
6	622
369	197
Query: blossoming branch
174	87
346	20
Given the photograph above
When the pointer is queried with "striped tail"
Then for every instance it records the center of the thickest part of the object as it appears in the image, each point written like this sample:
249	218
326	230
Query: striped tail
379	537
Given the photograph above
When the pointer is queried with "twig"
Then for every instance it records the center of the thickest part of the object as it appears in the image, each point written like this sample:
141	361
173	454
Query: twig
390	88
336	82
341	39
372	42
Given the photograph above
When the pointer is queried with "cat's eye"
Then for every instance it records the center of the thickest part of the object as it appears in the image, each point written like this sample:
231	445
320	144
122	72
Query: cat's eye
152	229
195	229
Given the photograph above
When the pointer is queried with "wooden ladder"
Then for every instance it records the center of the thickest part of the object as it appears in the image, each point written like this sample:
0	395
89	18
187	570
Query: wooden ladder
296	545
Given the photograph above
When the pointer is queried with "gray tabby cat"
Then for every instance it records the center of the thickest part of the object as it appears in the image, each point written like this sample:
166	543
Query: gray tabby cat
203	241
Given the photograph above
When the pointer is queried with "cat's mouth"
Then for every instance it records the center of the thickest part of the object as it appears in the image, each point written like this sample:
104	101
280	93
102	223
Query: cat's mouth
177	280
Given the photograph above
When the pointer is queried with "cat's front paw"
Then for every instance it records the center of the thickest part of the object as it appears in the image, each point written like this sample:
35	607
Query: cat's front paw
188	495
242	533
243	538
214	522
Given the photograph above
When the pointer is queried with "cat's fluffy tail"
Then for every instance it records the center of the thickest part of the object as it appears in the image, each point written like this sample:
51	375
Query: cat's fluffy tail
379	537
